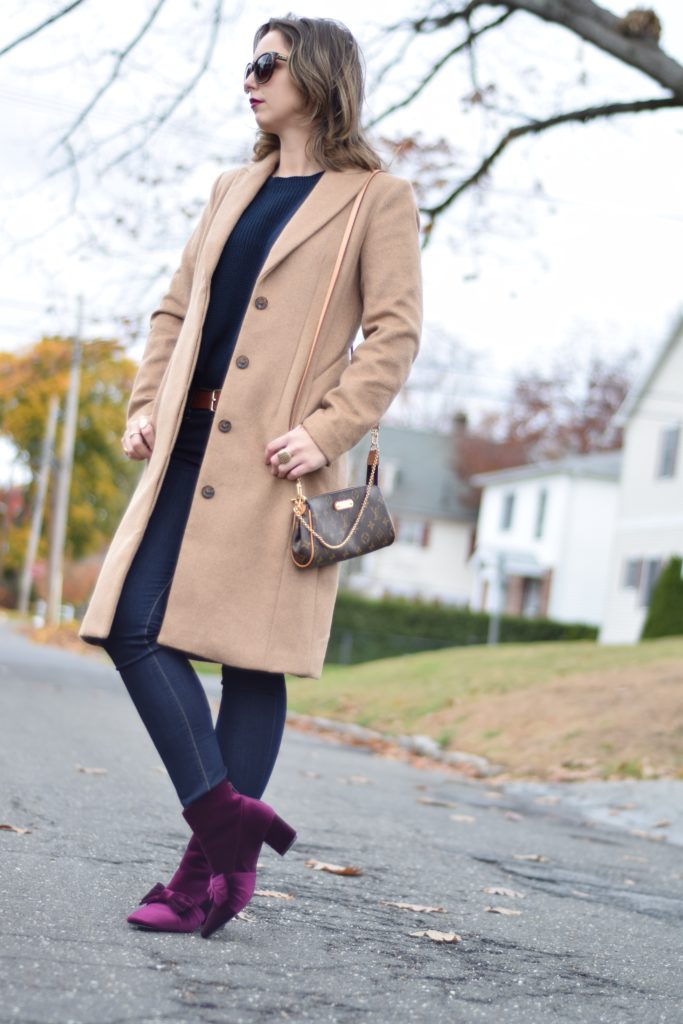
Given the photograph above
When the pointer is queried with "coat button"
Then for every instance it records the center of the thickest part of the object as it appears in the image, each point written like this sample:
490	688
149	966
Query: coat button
225	426
242	362
208	491
260	302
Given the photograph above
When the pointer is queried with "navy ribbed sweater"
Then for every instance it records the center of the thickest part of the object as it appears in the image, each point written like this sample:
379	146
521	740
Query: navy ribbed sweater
235	275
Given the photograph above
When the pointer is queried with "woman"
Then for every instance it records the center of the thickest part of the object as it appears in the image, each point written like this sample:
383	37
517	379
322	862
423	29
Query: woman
200	565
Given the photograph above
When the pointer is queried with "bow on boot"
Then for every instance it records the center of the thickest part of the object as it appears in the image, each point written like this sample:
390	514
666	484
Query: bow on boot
231	829
181	905
177	901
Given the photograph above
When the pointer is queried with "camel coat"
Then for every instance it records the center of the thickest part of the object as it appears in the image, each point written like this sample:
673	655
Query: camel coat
236	596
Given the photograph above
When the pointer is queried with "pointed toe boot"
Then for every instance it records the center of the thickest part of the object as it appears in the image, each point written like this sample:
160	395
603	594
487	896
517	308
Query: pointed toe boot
180	906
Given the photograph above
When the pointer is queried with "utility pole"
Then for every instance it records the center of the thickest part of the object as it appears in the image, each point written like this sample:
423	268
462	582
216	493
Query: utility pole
63	483
38	504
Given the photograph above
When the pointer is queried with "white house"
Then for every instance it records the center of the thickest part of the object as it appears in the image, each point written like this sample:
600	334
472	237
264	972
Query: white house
543	538
649	526
433	519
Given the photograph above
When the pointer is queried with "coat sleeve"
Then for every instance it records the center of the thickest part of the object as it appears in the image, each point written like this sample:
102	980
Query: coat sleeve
391	321
167	320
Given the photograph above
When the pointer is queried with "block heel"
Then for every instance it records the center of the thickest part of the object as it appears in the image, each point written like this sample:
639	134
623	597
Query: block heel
280	835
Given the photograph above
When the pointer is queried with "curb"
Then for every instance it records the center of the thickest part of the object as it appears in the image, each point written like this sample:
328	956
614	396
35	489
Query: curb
422	746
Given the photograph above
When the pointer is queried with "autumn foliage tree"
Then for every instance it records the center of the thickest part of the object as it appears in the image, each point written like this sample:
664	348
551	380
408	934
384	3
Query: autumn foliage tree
569	410
102	479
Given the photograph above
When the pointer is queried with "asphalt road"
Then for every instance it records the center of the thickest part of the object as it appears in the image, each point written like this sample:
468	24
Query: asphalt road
597	936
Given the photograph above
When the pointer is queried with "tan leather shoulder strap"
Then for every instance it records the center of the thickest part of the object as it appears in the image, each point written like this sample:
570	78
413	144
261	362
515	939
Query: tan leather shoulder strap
333	280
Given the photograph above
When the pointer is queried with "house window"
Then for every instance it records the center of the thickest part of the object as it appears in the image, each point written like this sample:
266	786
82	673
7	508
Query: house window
651	571
508	511
540	512
668	452
413	531
633	573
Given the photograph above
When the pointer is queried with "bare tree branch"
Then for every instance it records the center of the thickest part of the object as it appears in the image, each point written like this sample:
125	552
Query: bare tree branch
585	19
122	55
433	24
424	82
41	26
184	92
606	31
536	127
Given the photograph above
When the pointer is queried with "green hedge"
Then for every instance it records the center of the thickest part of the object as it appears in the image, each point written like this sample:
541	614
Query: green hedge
364	630
665	614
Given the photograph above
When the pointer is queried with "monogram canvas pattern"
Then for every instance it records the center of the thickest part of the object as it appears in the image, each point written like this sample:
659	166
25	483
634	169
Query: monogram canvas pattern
375	528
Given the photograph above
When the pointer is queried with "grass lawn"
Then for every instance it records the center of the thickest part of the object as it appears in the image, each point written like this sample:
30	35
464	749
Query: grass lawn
541	710
552	710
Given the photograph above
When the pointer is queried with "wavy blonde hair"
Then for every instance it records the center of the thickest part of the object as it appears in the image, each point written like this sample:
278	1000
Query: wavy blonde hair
326	66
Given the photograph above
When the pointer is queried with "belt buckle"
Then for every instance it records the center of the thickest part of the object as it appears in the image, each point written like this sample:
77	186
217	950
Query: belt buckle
214	399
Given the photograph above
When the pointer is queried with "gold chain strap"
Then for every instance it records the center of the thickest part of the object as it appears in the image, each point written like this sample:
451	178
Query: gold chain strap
299	503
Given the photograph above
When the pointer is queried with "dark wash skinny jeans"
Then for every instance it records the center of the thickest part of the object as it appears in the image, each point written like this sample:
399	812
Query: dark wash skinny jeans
164	687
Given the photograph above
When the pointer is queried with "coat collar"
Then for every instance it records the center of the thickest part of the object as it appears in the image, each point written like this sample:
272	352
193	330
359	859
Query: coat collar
334	191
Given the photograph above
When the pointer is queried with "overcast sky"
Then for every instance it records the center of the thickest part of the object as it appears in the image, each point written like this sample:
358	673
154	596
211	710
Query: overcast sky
574	244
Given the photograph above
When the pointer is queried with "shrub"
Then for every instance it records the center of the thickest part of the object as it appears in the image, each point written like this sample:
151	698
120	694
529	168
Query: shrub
665	614
364	629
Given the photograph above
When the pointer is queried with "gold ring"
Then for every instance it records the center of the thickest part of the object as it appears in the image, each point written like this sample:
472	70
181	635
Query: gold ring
283	457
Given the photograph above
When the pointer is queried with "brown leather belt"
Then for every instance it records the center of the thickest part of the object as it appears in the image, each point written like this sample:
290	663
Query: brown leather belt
204	398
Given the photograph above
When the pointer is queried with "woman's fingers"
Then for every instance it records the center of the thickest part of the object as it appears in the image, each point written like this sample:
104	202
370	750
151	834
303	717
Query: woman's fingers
138	439
304	454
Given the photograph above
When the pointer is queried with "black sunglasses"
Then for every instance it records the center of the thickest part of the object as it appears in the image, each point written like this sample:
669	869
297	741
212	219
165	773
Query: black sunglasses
263	66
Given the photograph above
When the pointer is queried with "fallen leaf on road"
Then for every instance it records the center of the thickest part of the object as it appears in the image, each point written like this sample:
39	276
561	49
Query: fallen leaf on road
15	828
498	890
550	800
334	869
431	802
664	823
274	893
91	771
462	817
629	881
437	936
311	775
413	906
493	793
507	911
577	892
358	780
529	856
514	816
642	834
631	856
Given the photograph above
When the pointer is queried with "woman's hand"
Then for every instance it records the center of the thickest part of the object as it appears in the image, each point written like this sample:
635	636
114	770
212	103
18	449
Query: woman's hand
138	439
305	454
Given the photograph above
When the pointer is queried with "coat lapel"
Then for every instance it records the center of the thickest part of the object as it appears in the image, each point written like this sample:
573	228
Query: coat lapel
334	191
232	206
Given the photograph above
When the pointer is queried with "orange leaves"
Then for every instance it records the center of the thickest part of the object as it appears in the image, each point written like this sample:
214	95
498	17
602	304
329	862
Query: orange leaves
14	828
333	869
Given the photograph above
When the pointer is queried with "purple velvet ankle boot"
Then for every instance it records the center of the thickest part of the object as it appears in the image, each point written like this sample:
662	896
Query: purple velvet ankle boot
231	829
182	906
